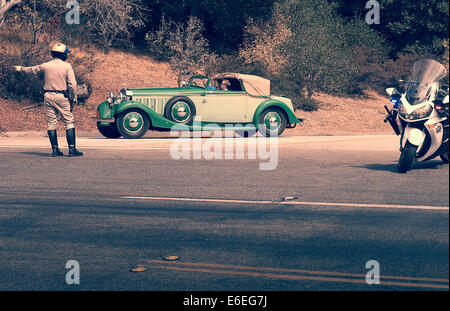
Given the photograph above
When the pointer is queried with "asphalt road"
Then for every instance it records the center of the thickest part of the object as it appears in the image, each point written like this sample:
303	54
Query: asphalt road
331	205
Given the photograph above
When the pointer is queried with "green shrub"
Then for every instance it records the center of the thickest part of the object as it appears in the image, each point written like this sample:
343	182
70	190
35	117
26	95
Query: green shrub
381	76
285	86
305	103
158	42
17	85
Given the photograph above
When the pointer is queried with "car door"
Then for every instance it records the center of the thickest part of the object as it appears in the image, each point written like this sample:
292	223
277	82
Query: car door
224	106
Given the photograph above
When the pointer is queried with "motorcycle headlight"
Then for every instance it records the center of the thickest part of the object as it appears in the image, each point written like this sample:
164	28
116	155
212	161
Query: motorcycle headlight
420	113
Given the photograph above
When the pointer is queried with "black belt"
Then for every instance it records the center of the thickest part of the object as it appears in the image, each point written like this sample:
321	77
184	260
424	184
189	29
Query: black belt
55	91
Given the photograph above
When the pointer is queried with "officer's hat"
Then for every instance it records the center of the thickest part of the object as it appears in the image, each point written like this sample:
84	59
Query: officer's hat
60	48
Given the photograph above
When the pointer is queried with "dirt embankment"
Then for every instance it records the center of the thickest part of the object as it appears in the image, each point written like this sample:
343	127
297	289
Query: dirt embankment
346	116
336	115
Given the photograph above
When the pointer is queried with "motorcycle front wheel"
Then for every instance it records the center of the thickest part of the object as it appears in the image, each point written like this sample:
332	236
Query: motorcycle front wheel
444	157
407	157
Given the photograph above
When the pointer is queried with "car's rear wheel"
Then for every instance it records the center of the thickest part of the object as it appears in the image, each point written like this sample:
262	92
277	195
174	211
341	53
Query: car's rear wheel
133	123
272	122
180	110
109	131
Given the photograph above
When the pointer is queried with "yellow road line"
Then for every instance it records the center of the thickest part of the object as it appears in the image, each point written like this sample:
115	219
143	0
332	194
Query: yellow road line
298	277
329	273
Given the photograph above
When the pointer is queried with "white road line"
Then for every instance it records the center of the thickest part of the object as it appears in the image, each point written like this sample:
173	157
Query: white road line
106	148
395	206
90	147
200	200
445	208
150	143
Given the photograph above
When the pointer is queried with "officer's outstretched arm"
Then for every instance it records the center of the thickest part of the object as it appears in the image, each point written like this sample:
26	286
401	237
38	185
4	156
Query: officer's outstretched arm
33	69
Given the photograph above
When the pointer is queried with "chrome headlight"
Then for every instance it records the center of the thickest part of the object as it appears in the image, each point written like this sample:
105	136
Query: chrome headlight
420	113
120	99
123	96
111	98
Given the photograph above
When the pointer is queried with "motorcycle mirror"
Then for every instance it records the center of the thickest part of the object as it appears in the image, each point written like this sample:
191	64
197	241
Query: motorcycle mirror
391	90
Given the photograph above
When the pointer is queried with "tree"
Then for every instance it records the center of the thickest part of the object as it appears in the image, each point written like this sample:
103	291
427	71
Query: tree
223	20
416	26
188	48
305	47
410	26
158	41
5	6
262	44
318	53
110	21
39	18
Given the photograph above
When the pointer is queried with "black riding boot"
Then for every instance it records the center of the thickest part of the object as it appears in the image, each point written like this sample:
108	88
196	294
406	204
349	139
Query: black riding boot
54	142
70	135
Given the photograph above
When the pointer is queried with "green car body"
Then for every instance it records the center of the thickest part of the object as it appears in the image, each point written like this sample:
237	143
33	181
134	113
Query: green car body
197	106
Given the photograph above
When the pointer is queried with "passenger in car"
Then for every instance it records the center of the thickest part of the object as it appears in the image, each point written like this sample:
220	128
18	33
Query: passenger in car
225	85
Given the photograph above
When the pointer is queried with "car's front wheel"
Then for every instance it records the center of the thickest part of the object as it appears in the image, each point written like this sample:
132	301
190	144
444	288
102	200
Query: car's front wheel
133	123
109	131
272	122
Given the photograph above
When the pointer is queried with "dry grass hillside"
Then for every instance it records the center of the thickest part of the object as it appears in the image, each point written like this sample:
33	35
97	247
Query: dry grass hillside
345	116
336	115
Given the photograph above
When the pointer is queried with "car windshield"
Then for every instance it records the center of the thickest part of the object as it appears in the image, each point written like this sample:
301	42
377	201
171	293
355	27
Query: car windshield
425	72
198	82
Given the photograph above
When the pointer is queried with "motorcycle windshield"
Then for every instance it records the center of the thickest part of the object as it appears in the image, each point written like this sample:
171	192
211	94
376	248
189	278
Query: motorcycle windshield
425	72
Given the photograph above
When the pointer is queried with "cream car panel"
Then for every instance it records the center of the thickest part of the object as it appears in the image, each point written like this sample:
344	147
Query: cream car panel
224	106
252	104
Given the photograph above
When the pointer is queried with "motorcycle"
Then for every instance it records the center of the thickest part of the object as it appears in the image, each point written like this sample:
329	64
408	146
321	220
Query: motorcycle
420	115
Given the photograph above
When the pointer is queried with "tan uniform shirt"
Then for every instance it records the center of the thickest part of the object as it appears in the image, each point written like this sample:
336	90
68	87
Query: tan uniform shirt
58	74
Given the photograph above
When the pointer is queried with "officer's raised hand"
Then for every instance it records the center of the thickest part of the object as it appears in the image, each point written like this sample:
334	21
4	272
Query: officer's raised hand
17	68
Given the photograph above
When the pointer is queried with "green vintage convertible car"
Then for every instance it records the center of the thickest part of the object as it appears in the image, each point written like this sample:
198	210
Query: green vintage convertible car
243	101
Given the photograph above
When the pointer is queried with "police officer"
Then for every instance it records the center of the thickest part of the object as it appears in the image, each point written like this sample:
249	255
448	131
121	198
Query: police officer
59	76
